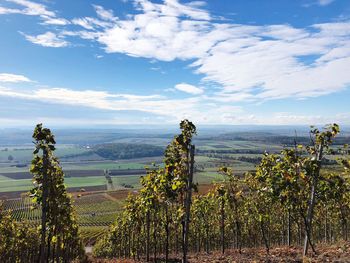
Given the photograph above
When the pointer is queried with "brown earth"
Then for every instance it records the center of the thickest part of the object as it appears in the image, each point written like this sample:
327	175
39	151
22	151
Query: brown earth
337	253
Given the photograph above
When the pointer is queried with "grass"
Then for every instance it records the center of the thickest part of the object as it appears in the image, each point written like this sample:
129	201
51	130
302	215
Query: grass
25	154
102	166
132	180
209	165
4	178
236	145
85	181
10	185
204	159
154	141
15	185
81	166
207	177
9	169
19	155
26	184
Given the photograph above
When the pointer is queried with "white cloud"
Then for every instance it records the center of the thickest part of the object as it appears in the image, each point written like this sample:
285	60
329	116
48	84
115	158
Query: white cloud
104	14
56	21
236	117
5	11
91	23
288	118
34	9
162	31
197	108
71	122
83	22
172	8
6	77
248	62
243	62
325	2
84	34
272	68
31	8
202	110
189	88
47	39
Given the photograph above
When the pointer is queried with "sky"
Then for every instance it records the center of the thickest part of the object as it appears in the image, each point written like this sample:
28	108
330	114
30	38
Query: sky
124	62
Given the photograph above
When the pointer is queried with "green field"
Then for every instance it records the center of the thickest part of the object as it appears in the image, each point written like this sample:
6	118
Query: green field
213	153
119	182
93	165
25	184
102	166
208	167
25	153
235	145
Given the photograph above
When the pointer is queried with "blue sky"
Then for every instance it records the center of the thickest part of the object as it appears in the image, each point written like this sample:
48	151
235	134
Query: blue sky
82	62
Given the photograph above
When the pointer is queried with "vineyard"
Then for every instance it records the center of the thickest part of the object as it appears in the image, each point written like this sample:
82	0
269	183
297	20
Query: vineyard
291	199
287	201
95	213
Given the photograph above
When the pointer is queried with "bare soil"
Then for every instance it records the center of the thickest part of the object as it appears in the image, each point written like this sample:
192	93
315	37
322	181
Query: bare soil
336	253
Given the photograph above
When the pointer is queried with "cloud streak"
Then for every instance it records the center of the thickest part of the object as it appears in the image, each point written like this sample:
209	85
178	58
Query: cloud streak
325	2
14	78
30	8
172	110
265	62
244	61
47	39
189	88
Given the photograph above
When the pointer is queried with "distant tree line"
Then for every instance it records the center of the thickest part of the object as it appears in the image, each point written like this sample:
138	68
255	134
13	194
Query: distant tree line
257	159
127	150
287	140
231	151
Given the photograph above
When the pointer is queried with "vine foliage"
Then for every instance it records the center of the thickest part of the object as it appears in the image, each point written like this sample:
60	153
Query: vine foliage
59	236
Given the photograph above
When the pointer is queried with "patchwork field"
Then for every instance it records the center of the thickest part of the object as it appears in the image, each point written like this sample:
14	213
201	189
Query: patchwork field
84	168
125	173
100	184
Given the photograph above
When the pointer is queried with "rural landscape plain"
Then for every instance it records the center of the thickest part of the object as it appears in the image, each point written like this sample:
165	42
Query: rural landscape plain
174	131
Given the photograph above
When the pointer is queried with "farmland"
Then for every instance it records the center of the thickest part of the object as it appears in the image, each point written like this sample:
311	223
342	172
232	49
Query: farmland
97	199
85	161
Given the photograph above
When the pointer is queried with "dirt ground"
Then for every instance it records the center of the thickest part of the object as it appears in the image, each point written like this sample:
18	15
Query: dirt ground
338	253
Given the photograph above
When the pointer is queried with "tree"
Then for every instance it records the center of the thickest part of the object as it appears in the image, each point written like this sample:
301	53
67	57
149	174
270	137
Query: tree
10	158
59	231
320	143
163	201
233	194
179	161
293	178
